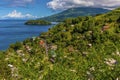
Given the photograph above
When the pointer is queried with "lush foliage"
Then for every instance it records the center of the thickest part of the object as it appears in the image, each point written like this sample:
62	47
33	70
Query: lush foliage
82	48
74	12
37	22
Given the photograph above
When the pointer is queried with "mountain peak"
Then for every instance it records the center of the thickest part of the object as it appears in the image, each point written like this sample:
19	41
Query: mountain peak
75	12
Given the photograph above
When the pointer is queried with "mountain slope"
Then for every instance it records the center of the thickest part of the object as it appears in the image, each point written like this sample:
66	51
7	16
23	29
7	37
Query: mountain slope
74	12
82	48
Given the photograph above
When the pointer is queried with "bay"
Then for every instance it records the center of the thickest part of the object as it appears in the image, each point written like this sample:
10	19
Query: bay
12	31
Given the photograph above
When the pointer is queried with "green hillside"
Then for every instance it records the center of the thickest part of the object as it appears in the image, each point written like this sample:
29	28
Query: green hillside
74	12
82	48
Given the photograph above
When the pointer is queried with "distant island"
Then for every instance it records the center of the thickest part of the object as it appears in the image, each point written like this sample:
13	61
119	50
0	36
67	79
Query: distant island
37	22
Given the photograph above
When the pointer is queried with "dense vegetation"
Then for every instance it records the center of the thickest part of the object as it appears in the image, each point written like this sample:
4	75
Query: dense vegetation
82	48
37	22
74	12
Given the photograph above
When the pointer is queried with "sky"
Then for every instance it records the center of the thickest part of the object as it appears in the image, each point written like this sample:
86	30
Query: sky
31	9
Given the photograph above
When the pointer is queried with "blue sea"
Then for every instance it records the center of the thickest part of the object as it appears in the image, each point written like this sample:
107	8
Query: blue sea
12	31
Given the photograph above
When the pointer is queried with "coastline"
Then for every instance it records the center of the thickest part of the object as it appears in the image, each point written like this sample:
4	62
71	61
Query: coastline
19	32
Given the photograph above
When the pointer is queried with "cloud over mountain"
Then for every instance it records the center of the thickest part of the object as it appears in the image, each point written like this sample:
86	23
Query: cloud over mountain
18	15
65	4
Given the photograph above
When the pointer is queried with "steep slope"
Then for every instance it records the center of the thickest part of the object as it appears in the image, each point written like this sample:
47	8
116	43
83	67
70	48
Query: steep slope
81	48
75	12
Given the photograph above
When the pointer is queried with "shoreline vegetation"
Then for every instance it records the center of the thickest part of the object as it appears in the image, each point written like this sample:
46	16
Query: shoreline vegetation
82	48
37	22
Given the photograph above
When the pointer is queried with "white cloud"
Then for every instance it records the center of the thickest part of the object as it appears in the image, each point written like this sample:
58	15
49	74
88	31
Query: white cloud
16	3
19	15
22	3
65	4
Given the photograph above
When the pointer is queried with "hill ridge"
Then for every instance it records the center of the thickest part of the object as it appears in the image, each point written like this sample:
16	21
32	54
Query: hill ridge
75	12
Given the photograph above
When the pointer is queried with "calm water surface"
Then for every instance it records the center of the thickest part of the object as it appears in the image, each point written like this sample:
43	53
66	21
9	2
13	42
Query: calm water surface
12	31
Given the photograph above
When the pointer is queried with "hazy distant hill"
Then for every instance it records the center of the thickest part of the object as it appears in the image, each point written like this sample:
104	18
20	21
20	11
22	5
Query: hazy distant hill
75	12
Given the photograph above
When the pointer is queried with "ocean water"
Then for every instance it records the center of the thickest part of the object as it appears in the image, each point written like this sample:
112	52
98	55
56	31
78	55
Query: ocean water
12	31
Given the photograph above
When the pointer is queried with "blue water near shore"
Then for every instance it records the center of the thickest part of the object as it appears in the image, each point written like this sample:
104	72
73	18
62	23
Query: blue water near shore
12	31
